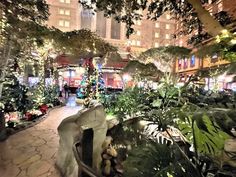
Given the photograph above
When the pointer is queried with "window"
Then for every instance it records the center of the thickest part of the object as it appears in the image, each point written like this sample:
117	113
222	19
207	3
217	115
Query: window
64	12
185	63
167	26
61	23
180	64
167	36
61	11
86	23
64	23
138	33
115	28
67	12
65	1
192	61
138	43
156	44
157	25
67	24
133	42
167	16
156	35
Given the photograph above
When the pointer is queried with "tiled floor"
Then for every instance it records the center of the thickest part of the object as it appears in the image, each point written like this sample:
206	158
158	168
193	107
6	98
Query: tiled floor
31	152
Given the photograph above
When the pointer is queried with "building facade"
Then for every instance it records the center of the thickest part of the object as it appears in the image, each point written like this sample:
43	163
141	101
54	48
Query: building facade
68	15
150	34
185	67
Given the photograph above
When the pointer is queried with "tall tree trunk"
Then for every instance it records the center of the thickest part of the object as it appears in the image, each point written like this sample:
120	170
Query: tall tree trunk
212	26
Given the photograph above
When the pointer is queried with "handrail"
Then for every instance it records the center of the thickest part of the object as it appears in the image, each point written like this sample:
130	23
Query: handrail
82	166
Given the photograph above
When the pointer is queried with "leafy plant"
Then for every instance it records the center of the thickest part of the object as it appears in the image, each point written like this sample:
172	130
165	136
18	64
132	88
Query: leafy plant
157	160
51	94
126	104
206	128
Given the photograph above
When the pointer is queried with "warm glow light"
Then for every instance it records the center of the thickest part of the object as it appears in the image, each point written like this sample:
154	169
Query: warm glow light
80	70
225	33
217	38
229	79
233	41
127	77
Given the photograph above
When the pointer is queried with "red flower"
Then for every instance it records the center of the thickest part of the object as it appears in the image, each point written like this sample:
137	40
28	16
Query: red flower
28	116
43	108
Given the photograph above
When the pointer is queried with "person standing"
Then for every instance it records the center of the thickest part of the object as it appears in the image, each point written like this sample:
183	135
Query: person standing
66	89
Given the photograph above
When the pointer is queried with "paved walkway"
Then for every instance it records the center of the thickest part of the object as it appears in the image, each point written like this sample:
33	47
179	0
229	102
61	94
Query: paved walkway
31	152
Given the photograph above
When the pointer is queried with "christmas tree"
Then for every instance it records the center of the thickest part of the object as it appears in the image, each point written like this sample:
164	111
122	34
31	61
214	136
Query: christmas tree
15	96
92	82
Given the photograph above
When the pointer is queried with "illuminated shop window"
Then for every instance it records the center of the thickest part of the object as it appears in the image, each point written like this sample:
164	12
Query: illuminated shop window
185	63
180	64
192	61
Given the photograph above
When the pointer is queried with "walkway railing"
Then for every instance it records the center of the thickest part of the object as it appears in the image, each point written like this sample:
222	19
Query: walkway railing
84	170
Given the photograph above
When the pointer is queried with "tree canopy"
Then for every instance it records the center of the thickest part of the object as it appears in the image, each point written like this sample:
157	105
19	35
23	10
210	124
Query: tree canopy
190	12
224	47
138	69
163	57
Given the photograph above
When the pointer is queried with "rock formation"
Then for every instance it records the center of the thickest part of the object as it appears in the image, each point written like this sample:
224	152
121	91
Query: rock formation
71	130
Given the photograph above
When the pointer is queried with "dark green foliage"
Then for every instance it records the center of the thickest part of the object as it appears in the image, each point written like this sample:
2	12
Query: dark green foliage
194	24
127	103
224	48
127	133
22	17
205	128
157	160
80	43
15	96
165	53
138	69
51	95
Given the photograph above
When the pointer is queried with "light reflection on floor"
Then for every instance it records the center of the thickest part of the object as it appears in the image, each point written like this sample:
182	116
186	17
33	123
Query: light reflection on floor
71	101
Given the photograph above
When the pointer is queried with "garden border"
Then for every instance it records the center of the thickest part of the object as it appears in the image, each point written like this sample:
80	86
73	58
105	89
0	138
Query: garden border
12	131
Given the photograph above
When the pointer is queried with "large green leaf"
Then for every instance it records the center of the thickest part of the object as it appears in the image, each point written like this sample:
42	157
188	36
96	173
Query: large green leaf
157	103
210	141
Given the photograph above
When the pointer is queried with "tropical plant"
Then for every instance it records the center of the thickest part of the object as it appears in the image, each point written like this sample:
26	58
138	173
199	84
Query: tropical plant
204	127
127	103
157	160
